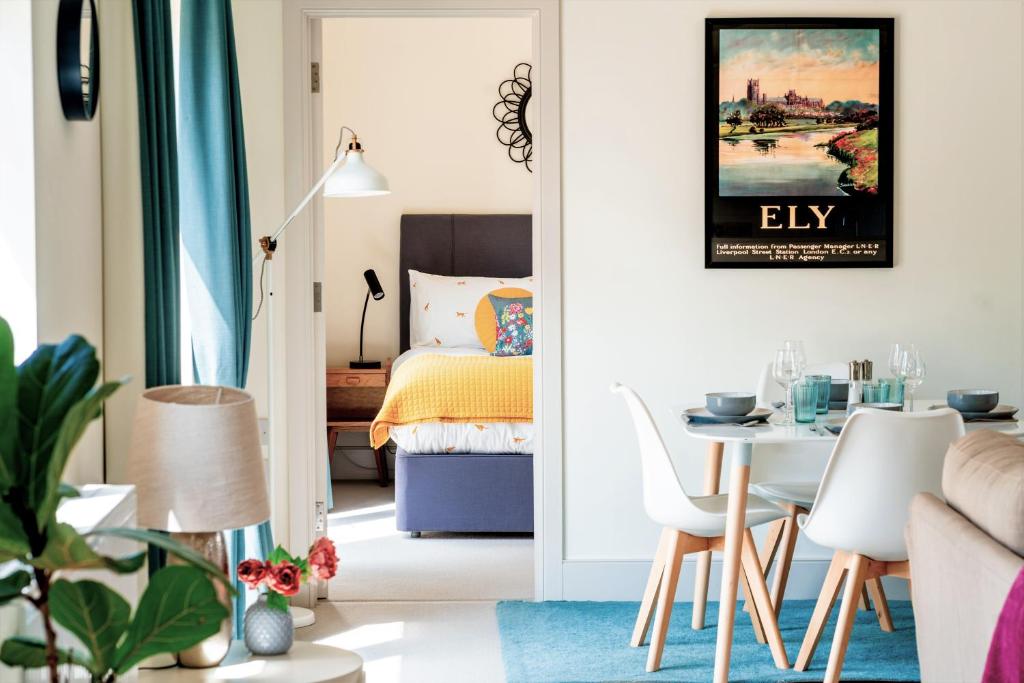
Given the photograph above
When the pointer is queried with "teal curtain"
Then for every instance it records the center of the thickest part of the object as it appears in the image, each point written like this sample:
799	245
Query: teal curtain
215	218
158	161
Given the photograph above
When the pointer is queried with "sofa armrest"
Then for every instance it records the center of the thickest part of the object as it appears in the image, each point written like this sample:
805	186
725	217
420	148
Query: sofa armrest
960	578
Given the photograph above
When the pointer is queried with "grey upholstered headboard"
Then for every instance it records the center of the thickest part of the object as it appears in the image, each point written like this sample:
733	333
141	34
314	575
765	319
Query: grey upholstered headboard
498	245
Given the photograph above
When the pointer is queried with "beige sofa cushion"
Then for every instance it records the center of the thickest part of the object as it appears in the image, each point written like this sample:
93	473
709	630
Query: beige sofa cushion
983	479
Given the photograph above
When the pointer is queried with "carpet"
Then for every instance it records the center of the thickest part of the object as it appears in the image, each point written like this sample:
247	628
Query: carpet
566	642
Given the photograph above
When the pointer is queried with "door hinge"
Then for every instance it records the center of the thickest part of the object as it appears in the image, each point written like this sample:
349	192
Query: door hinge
314	76
321	517
318	297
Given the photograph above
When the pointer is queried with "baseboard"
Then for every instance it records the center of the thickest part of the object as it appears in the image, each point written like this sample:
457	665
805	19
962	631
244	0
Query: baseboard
625	580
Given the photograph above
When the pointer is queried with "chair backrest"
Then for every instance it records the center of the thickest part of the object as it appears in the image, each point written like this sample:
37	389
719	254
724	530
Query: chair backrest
665	499
769	391
880	462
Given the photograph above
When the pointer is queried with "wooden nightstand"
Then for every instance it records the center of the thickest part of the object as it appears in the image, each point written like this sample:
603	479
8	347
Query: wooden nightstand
353	399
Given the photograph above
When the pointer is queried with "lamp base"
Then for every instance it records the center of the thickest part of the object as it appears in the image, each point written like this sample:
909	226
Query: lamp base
364	365
211	651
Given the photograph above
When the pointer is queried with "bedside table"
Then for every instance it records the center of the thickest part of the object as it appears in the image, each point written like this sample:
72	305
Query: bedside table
304	663
353	399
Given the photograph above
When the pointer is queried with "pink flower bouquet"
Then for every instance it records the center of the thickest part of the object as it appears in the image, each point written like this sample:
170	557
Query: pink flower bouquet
282	574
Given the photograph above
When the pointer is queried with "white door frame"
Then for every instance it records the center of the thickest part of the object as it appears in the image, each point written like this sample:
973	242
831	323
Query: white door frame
297	402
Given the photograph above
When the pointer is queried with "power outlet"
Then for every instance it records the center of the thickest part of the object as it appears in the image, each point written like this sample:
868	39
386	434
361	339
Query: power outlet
264	425
320	512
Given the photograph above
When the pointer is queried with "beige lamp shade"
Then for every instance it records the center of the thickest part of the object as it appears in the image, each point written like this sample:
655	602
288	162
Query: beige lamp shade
196	460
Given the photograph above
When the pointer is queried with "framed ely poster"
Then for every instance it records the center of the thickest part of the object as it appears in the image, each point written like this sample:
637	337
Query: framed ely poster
799	140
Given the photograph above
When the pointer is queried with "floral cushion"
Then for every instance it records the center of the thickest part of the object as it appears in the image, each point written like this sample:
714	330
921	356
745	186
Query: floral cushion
514	325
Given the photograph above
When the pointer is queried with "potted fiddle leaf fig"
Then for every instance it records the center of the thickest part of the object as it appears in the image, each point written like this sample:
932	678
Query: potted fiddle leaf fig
46	403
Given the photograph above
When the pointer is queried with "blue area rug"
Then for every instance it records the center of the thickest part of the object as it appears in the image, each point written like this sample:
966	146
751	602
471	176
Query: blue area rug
566	642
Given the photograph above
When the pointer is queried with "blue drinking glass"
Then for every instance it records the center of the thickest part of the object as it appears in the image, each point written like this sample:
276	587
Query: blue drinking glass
824	384
873	392
894	386
805	401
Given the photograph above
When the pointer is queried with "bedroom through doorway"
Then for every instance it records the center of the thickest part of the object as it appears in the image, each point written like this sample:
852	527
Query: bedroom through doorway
434	282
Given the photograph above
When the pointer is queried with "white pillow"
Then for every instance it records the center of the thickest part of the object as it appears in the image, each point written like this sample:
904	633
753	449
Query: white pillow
442	308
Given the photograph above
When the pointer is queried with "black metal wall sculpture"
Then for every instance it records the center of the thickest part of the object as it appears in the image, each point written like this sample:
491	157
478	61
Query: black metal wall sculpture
510	112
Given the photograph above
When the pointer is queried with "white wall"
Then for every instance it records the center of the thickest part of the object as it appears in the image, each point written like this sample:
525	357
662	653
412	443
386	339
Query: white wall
633	79
419	92
63	180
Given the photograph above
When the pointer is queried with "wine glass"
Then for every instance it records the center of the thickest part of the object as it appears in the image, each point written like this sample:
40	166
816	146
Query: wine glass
797	347
912	371
895	352
786	371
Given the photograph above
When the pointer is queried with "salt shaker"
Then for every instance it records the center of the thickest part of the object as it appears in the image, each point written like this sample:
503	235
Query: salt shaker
855	383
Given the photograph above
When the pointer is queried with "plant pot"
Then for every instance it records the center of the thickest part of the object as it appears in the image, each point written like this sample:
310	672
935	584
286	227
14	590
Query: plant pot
268	631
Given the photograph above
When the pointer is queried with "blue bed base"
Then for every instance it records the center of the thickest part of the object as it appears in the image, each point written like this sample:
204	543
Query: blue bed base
464	492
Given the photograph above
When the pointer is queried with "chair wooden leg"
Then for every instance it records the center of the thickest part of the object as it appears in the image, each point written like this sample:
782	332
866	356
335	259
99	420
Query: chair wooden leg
712	480
856	569
666	596
785	557
874	587
767	554
762	603
750	606
643	619
826	599
863	601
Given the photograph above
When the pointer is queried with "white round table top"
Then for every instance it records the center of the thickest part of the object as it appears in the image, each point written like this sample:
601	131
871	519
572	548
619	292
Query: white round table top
304	663
772	432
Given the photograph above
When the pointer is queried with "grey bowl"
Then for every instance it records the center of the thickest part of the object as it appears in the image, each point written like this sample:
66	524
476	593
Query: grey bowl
839	392
730	403
972	400
896	407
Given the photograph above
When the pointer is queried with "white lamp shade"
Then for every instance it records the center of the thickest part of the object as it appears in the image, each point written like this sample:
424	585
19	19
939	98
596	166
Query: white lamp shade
355	178
196	460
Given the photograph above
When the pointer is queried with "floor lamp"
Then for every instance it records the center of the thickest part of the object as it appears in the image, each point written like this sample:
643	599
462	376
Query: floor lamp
348	176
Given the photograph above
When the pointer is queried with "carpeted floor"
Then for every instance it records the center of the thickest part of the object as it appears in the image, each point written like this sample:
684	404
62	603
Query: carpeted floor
565	642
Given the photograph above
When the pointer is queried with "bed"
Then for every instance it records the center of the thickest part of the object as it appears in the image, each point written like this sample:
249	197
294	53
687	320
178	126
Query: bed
462	491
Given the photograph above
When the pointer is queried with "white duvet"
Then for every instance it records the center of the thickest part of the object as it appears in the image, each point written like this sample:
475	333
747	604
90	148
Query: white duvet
439	437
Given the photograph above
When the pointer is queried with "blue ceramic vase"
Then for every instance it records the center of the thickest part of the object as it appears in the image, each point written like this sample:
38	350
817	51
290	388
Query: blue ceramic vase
268	631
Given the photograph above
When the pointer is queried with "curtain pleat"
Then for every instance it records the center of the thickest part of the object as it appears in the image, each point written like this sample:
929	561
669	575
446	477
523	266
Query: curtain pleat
158	162
215	225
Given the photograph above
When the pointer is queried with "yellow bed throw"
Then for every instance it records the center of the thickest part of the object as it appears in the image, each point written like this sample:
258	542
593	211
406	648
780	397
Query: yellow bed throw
456	389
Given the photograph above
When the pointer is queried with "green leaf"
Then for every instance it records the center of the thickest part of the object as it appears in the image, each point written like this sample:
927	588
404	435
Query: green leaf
50	382
95	614
12	585
8	409
178	609
170	545
13	541
67	549
71	429
30	653
278	555
277	601
67	491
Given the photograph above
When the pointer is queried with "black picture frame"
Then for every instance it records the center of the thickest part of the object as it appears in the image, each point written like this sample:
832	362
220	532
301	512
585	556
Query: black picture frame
859	232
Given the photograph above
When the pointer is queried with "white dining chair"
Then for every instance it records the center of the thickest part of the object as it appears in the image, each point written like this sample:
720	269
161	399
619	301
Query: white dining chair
795	497
691	525
880	462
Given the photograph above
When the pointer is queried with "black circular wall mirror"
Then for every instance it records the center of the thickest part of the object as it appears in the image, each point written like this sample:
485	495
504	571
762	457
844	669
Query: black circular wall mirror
78	58
511	112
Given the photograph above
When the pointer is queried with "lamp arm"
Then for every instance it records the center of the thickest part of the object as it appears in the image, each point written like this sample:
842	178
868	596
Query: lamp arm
363	324
338	160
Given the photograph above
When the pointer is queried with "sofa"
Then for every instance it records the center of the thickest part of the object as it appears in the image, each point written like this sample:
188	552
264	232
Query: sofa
965	553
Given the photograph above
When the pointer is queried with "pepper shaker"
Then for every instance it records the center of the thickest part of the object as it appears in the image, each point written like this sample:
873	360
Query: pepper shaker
867	370
854	393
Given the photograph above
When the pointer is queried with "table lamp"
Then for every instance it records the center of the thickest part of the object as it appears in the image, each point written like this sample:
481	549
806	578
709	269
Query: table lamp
197	467
373	289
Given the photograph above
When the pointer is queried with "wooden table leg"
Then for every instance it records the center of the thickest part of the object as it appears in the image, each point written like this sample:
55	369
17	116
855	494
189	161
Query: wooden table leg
332	443
712	480
739	477
381	456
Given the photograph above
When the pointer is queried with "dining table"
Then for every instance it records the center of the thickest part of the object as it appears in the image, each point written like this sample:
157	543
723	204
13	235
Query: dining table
742	439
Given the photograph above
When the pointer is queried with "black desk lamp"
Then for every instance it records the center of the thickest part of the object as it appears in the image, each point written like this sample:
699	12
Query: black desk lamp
374	288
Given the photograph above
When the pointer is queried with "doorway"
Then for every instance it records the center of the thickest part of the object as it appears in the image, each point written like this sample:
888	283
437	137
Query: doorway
299	398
